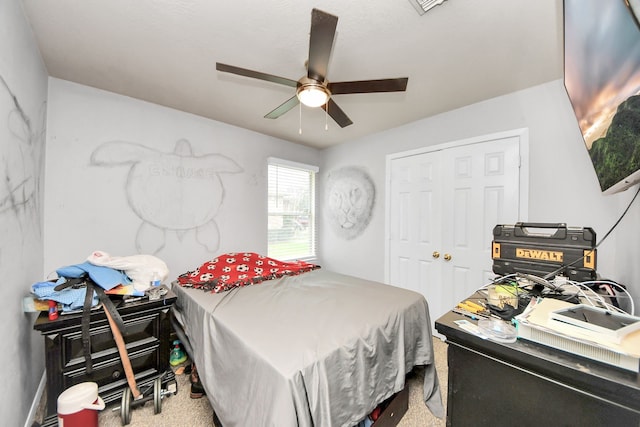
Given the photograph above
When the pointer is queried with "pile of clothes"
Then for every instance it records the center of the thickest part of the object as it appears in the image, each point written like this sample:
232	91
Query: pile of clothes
130	275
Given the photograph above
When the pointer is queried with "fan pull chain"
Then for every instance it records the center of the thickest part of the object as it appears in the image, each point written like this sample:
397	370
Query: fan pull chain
326	116
300	119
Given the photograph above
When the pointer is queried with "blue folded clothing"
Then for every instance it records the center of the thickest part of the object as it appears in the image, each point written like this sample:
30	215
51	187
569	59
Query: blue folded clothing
104	277
70	298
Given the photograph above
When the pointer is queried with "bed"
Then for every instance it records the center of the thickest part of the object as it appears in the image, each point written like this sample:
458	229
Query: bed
314	349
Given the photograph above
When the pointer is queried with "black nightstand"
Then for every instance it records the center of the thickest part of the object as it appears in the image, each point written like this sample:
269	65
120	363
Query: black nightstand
147	332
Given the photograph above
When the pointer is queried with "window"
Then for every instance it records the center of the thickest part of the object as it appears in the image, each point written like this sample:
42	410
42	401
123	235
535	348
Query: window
291	210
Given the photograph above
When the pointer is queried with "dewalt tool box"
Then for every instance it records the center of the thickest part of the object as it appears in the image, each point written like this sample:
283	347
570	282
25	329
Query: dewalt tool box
545	250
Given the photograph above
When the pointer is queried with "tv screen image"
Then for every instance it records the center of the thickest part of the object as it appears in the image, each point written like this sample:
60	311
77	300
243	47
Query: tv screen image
602	79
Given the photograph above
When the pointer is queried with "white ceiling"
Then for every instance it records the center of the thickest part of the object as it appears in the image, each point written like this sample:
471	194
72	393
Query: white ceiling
164	51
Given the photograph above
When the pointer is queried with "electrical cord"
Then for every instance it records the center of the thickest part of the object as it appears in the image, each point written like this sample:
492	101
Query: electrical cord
542	281
618	287
563	267
581	291
584	292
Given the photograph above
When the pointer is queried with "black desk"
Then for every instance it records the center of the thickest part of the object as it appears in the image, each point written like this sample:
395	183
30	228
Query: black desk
527	384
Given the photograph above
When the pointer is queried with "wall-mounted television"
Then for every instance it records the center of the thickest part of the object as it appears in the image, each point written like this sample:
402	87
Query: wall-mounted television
602	79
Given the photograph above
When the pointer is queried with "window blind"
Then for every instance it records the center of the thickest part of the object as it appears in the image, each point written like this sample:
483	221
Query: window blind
291	227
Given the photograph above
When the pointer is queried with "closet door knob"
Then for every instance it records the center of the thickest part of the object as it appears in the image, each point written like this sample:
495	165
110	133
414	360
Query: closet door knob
435	254
447	257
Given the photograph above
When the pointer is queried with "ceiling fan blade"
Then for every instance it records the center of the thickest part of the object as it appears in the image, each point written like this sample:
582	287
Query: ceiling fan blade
369	86
255	74
337	114
283	108
323	31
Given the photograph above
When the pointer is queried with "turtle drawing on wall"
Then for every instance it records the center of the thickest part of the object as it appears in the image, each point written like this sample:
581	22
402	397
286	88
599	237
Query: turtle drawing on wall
176	191
349	199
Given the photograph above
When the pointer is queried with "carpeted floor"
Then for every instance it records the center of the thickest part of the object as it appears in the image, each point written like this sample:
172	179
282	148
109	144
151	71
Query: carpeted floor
181	410
418	415
176	410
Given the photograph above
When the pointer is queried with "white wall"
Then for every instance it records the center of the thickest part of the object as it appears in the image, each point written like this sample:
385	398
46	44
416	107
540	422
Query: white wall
89	205
563	185
23	91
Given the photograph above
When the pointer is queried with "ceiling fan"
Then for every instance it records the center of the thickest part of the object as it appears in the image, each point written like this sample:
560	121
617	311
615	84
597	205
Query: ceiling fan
314	90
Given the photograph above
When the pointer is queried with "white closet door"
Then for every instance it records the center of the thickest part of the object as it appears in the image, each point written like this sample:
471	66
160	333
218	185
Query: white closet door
442	208
415	218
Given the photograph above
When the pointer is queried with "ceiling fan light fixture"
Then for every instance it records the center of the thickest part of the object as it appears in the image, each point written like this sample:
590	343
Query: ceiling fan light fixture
313	94
313	89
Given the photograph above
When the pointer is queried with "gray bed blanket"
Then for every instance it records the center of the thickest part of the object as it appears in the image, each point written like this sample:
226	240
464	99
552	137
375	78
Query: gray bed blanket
319	349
